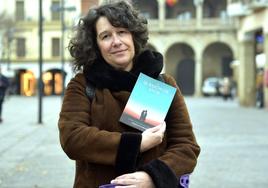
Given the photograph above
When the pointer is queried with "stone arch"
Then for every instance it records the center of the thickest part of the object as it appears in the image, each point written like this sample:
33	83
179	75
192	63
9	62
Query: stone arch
53	81
180	63
217	58
24	82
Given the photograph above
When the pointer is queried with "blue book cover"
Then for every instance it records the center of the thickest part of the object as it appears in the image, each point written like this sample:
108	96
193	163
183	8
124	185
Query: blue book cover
148	103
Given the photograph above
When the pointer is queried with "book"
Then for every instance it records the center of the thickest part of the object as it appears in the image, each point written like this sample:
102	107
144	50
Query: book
107	186
110	185
148	103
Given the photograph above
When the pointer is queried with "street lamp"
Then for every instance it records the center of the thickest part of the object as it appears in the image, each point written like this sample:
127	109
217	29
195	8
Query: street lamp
40	81
62	47
62	10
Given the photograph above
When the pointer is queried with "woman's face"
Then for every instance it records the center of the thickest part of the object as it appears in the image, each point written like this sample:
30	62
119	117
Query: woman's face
116	44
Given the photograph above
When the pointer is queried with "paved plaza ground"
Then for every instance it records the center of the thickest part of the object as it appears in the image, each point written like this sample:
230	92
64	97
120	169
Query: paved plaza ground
233	140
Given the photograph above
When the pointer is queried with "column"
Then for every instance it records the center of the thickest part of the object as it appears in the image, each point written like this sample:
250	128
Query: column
199	12
266	70
161	13
247	75
198	74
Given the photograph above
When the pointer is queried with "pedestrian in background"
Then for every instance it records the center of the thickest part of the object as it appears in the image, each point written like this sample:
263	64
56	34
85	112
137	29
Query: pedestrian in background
4	83
227	88
259	88
108	51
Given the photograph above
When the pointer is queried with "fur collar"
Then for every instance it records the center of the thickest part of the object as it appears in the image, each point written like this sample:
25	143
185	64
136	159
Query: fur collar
103	75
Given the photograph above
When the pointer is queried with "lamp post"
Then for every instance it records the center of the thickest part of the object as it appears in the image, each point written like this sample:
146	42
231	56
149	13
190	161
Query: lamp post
62	10
62	47
40	81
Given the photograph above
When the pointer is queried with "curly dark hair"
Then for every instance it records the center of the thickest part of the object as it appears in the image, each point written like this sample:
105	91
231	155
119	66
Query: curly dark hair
83	46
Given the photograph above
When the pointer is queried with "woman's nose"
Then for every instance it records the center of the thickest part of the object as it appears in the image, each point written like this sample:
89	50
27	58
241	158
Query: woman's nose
116	40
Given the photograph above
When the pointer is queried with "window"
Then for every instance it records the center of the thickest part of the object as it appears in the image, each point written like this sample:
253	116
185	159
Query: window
55	47
20	10
21	48
55	10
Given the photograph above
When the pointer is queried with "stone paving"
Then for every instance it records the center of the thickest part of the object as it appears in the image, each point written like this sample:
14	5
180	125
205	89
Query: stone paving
30	154
234	144
233	140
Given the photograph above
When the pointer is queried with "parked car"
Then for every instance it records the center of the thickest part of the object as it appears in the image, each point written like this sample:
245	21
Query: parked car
211	86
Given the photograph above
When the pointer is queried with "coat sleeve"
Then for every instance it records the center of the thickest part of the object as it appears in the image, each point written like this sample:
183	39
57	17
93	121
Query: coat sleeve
80	140
180	155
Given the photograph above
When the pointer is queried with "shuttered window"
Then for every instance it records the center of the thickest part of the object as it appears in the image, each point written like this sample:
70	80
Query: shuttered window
20	14
21	47
55	47
55	11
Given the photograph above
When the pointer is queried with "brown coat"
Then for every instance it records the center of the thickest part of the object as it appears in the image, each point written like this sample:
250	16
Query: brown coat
91	133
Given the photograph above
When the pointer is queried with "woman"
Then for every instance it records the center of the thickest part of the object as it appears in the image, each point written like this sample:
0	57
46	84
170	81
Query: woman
108	50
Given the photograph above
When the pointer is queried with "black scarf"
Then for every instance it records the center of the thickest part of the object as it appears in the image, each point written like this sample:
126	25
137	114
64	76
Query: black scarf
103	75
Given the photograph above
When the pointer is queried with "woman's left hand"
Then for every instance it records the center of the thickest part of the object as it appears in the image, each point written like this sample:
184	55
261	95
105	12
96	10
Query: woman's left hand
138	179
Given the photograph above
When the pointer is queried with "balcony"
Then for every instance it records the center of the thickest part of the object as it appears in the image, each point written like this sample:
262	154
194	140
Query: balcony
245	7
256	4
209	24
238	8
48	24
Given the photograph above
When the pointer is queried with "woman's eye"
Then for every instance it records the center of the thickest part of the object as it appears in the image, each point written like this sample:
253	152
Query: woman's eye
105	37
122	32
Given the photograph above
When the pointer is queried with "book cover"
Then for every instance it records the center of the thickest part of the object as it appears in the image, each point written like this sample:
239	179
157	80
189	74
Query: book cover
148	103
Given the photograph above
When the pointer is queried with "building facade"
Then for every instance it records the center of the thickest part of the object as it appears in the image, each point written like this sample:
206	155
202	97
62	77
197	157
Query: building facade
198	38
20	44
252	37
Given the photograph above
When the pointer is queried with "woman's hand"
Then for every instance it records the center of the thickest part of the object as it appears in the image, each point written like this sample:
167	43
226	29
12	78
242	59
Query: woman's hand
138	179
152	137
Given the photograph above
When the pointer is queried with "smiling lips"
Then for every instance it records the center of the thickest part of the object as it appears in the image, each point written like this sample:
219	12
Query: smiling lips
118	51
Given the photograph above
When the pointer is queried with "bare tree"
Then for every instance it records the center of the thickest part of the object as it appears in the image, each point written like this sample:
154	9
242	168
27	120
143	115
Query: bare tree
7	28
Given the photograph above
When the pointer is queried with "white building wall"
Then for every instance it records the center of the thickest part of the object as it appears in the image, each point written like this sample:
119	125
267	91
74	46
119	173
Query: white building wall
31	9
28	29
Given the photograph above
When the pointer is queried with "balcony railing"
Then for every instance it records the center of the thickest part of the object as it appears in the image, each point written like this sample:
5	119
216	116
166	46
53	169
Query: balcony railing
156	25
175	24
52	25
192	24
219	23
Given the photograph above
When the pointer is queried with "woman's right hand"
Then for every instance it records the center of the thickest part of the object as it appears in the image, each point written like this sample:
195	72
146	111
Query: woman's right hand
152	137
